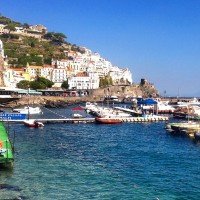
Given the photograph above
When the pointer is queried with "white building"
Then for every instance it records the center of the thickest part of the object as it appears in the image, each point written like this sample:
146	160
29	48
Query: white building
60	63
58	75
39	28
2	30
19	30
46	71
34	71
120	76
81	65
1	49
84	81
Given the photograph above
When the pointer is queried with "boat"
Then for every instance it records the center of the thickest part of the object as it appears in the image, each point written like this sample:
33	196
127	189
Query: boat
28	110
111	113
107	120
183	128
77	115
6	150
111	99
33	123
156	106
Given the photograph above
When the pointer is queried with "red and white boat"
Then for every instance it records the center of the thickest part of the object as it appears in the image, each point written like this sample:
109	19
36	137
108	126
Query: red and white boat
33	123
107	120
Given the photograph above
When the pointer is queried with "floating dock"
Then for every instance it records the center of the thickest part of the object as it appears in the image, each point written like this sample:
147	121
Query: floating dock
92	120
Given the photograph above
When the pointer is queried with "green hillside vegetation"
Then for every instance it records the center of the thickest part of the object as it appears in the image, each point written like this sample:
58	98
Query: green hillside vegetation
21	50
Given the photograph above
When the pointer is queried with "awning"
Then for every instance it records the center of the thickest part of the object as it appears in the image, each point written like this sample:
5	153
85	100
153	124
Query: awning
148	102
29	92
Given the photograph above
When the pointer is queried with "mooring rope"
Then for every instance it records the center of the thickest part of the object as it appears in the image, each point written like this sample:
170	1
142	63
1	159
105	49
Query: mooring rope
55	113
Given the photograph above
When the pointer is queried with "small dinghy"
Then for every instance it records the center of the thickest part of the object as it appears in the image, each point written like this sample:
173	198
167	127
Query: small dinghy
33	123
77	115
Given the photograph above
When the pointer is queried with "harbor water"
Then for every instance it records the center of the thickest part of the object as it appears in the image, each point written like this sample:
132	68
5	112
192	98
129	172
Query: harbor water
139	161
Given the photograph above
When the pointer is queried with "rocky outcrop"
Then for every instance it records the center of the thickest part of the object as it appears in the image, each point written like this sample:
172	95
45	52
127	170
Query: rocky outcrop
118	90
148	89
143	89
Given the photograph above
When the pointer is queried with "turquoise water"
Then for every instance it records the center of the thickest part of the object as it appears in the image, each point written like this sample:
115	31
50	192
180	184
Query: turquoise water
90	161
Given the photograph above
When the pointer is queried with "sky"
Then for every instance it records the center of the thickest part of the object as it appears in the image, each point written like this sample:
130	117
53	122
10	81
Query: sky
158	40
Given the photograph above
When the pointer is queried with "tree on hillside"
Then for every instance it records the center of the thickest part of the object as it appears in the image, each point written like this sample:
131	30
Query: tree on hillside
37	85
24	59
25	25
10	27
56	38
31	41
106	81
23	84
48	36
41	83
59	37
46	81
65	84
5	20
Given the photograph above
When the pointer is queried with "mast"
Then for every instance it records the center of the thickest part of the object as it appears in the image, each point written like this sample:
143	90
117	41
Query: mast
28	103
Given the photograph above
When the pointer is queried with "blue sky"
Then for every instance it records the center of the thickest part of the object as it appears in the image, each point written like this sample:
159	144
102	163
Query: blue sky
156	39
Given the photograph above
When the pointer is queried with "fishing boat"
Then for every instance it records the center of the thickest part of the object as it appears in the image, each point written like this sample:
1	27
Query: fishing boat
6	150
33	123
183	128
107	120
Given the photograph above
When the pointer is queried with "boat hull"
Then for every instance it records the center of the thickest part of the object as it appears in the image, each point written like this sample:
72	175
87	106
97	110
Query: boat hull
107	121
6	150
185	128
33	124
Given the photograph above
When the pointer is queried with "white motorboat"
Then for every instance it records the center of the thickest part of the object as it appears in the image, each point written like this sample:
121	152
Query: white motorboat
28	110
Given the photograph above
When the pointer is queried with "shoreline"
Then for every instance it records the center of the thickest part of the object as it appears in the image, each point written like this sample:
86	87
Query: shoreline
60	100
45	100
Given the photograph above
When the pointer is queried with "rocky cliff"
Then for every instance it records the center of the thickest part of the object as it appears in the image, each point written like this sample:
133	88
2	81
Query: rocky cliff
144	89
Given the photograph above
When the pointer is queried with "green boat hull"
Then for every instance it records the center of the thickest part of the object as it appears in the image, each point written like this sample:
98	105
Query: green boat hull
6	150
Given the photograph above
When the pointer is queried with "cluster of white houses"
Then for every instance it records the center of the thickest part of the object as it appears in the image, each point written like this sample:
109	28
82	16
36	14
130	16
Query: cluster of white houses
82	70
36	31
